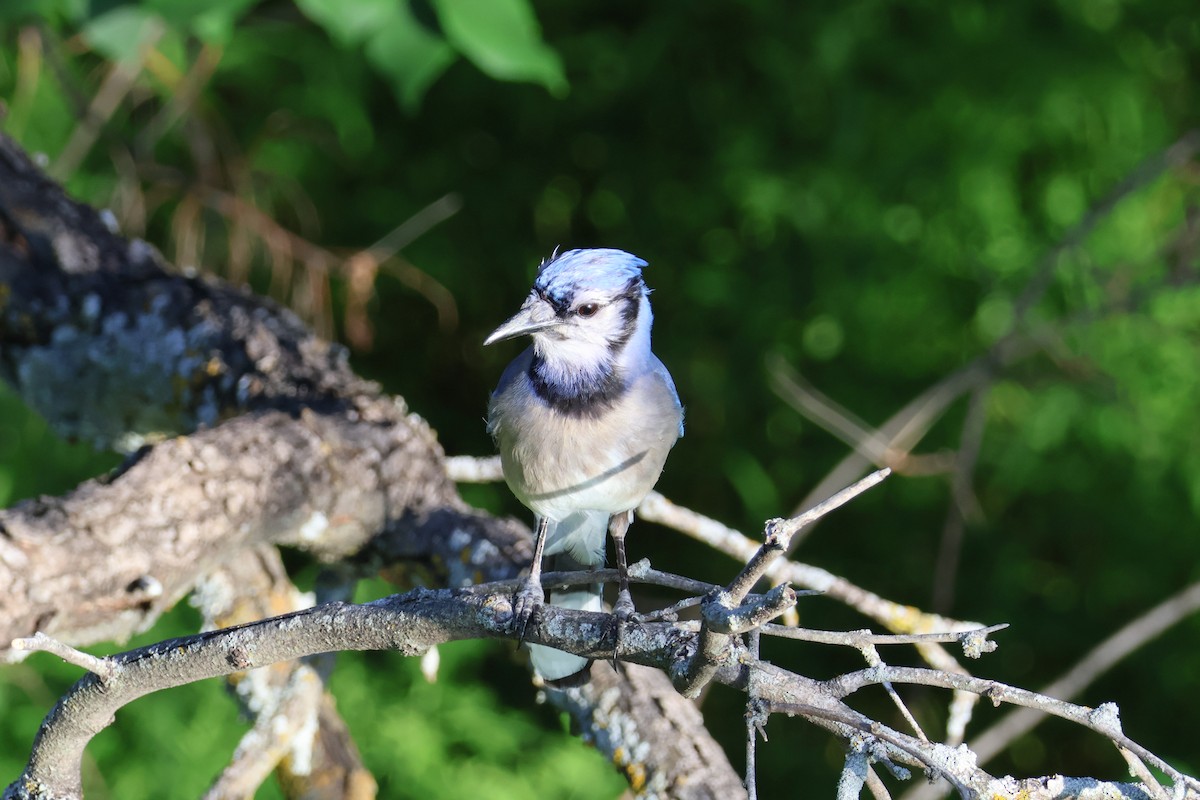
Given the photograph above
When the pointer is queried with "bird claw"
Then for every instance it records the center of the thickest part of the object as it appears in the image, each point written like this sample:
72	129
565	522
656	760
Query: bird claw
623	615
526	602
623	608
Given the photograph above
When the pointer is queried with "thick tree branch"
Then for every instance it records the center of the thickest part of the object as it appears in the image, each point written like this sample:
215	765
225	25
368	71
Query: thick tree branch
327	484
110	347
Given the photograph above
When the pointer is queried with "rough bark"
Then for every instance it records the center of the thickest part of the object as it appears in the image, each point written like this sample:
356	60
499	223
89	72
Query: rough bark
661	723
323	483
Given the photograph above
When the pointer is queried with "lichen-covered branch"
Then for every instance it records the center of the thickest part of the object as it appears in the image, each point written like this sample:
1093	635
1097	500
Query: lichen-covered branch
113	348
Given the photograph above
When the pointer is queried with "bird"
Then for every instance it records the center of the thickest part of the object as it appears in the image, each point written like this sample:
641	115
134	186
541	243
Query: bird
583	419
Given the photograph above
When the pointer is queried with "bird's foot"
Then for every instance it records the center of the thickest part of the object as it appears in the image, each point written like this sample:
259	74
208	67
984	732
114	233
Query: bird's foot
623	609
623	617
526	602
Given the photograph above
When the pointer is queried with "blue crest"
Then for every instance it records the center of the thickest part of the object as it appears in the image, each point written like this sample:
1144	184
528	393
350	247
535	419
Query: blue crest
606	269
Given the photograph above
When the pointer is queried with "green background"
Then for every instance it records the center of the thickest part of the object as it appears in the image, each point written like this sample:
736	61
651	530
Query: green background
861	189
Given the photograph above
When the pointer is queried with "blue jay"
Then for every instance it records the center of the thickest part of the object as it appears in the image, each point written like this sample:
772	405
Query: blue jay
583	419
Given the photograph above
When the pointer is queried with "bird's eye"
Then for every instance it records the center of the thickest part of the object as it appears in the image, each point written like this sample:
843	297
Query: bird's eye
588	309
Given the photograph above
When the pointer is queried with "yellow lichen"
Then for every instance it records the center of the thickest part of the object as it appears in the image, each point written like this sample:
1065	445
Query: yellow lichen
636	775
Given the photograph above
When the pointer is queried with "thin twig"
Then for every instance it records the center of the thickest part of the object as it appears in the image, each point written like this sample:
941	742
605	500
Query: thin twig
786	529
474	469
722	612
871	656
919	752
878	790
181	93
720	537
639	572
826	412
1138	769
416	226
1099	660
908	426
120	79
863	637
100	667
963	505
754	724
997	692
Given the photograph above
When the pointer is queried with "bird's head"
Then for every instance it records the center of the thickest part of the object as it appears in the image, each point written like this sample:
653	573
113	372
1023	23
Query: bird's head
584	309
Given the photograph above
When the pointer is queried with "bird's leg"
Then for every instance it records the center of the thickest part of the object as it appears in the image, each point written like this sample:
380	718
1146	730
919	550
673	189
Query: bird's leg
530	597
618	524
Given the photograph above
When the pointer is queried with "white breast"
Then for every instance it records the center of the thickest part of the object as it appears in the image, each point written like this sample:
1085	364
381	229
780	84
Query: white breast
558	464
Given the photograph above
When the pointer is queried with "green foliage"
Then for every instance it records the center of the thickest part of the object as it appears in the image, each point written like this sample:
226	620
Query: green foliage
411	44
863	189
473	716
34	461
503	39
496	750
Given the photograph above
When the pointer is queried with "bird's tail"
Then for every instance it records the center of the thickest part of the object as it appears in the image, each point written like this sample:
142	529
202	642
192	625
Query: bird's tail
579	545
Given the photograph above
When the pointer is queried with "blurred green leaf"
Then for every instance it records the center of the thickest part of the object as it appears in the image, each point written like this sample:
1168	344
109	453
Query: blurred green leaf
210	20
51	11
502	38
120	34
409	55
350	24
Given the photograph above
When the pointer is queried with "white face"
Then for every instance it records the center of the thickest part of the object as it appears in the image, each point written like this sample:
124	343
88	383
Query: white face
585	342
593	320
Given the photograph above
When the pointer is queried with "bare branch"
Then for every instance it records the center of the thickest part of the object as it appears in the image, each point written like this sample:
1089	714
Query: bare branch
326	484
1099	660
895	616
297	731
722	613
974	642
474	469
644	725
1103	720
293	716
99	667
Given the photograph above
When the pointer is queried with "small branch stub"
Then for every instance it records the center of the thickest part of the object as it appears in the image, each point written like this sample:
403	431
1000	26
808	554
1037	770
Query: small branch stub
101	667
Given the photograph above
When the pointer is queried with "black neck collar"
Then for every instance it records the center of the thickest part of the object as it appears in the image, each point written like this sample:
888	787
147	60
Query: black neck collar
584	398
